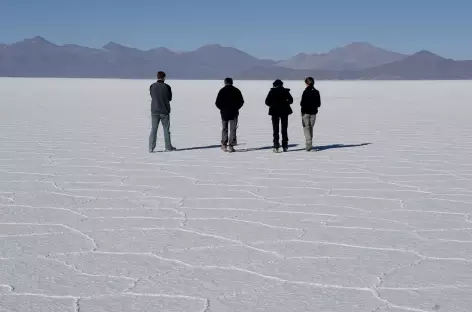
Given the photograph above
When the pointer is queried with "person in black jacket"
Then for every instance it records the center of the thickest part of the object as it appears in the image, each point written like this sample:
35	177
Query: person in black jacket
310	103
229	101
279	100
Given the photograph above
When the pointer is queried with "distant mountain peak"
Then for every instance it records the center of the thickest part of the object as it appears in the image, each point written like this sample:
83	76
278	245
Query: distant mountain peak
117	47
113	45
214	47
211	50
361	44
358	47
38	40
426	55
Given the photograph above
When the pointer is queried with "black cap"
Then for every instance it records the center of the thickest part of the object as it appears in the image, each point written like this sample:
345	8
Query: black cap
310	81
278	83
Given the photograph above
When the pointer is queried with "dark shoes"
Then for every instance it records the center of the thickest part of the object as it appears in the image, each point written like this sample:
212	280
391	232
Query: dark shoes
229	149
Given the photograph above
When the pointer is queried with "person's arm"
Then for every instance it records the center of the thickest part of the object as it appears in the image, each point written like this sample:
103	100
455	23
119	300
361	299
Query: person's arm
150	90
289	97
319	98
241	99
268	100
218	100
303	100
169	91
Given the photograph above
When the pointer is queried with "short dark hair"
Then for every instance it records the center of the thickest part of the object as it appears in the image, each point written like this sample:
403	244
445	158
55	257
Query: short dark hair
229	81
161	75
310	81
278	83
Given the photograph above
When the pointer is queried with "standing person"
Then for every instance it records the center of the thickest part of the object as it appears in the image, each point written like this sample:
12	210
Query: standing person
161	95
310	103
279	100
229	101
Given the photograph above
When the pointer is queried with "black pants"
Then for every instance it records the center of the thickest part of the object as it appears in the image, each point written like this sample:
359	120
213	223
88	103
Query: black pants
276	121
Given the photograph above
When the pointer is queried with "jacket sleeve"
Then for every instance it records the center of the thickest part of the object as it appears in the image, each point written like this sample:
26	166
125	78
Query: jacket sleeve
218	100
303	100
268	100
150	90
169	93
241	99
289	97
319	98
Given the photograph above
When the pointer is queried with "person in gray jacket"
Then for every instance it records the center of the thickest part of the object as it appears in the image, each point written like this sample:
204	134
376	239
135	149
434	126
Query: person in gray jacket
161	95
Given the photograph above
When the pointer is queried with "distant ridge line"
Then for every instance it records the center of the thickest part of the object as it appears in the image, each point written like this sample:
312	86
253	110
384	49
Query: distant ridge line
38	57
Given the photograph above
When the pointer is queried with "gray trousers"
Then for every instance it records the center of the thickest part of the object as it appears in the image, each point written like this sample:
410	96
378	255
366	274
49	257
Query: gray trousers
308	122
232	125
156	119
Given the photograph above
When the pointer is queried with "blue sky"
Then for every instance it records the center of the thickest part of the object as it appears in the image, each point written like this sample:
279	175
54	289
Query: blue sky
272	29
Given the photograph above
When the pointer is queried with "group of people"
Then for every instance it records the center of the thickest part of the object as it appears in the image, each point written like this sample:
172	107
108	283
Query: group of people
229	101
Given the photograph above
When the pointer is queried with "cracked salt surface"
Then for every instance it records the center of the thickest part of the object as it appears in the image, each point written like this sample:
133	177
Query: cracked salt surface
90	222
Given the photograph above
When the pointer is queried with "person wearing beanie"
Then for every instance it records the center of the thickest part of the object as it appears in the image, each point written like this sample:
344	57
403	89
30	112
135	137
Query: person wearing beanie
310	103
279	100
229	101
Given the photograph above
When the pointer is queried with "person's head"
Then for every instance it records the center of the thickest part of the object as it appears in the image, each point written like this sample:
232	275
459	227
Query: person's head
228	81
161	75
310	82
278	83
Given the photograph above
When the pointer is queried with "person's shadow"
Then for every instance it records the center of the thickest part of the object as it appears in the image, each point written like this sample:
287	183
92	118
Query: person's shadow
332	146
263	148
199	148
315	148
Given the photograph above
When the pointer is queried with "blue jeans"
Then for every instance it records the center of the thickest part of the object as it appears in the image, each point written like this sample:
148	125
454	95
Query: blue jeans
156	119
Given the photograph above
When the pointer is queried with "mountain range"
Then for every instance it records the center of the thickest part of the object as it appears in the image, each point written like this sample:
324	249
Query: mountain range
38	57
357	55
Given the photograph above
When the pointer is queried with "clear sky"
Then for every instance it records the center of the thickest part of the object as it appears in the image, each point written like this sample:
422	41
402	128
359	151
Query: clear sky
272	29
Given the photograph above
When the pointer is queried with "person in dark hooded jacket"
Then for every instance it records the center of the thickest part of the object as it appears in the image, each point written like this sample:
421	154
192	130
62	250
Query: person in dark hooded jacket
229	101
279	100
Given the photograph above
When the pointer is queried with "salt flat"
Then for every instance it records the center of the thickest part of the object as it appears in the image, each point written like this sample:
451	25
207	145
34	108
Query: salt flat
379	219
